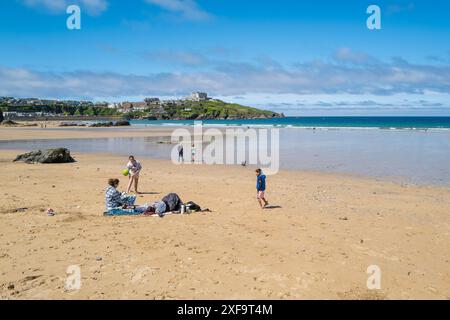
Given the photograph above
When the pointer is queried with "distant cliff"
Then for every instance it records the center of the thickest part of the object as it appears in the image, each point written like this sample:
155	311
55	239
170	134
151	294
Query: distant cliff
157	110
205	110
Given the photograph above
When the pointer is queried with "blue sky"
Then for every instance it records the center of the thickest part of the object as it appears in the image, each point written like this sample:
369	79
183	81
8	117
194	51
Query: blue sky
299	57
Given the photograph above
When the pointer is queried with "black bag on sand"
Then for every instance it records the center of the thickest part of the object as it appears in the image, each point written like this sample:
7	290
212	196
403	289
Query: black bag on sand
193	206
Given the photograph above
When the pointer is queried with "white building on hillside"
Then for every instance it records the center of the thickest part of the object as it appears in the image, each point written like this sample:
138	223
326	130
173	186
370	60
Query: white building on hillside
198	96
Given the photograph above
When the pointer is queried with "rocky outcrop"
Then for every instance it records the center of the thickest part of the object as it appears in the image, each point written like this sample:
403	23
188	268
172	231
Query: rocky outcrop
9	123
59	155
122	123
110	124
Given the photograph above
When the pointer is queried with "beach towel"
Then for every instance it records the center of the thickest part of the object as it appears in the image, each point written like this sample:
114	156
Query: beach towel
127	212
122	212
141	210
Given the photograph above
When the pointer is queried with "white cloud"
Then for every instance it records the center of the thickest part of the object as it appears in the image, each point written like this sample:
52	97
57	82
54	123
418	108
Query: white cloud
186	9
92	7
347	55
338	84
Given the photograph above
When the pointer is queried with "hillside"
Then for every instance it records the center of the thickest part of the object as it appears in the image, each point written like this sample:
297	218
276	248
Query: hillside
172	110
205	110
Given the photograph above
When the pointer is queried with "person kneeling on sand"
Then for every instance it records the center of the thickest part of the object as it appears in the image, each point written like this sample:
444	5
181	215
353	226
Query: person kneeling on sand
170	203
115	199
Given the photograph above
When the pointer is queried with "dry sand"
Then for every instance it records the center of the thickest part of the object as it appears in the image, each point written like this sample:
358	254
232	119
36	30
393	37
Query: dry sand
318	245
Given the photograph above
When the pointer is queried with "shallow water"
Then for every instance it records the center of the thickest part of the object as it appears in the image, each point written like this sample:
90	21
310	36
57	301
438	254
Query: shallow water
421	157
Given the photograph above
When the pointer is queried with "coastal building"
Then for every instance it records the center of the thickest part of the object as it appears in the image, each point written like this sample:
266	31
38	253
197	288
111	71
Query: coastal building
139	106
152	101
10	114
132	106
198	96
21	115
48	102
113	105
101	105
86	103
31	101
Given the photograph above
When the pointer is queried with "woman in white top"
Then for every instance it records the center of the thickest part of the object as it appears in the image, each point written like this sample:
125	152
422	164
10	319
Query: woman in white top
135	168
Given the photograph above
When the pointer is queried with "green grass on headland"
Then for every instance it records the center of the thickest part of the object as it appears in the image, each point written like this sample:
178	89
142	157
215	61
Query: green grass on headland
210	109
180	110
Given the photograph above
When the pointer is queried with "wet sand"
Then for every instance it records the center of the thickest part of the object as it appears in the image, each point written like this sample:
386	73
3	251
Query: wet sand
54	132
318	244
407	156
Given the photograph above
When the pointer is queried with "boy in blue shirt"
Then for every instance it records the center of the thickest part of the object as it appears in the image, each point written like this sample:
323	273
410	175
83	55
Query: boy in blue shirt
261	188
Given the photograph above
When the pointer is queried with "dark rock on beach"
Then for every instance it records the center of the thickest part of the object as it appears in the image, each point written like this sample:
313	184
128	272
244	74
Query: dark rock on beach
59	155
123	123
9	123
72	124
102	124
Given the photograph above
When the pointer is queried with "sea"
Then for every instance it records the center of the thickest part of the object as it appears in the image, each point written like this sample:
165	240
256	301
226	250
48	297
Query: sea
387	123
412	150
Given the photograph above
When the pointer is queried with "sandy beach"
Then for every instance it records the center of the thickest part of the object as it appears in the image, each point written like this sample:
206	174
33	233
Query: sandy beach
52	131
318	244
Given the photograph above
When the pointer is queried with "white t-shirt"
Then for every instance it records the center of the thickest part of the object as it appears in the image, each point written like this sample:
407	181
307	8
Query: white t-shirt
134	168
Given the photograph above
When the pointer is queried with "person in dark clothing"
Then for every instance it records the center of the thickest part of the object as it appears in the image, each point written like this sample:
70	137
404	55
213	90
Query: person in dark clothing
261	188
173	202
180	153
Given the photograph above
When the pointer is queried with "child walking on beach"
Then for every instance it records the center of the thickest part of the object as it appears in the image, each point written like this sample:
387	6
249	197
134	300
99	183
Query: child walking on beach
261	188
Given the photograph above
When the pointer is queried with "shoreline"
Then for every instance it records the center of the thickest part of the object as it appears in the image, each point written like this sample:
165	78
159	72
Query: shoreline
398	181
55	133
25	131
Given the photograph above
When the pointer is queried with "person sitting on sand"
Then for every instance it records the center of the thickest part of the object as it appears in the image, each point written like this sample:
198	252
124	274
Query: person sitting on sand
114	198
261	188
135	168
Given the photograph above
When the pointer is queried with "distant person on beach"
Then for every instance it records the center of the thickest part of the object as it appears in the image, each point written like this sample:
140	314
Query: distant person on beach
261	188
180	153
193	151
135	168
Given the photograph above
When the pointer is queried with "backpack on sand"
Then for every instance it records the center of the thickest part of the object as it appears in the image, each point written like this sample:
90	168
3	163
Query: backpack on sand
193	206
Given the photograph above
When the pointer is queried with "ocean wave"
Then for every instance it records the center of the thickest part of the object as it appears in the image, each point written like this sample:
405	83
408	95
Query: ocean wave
293	126
318	123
